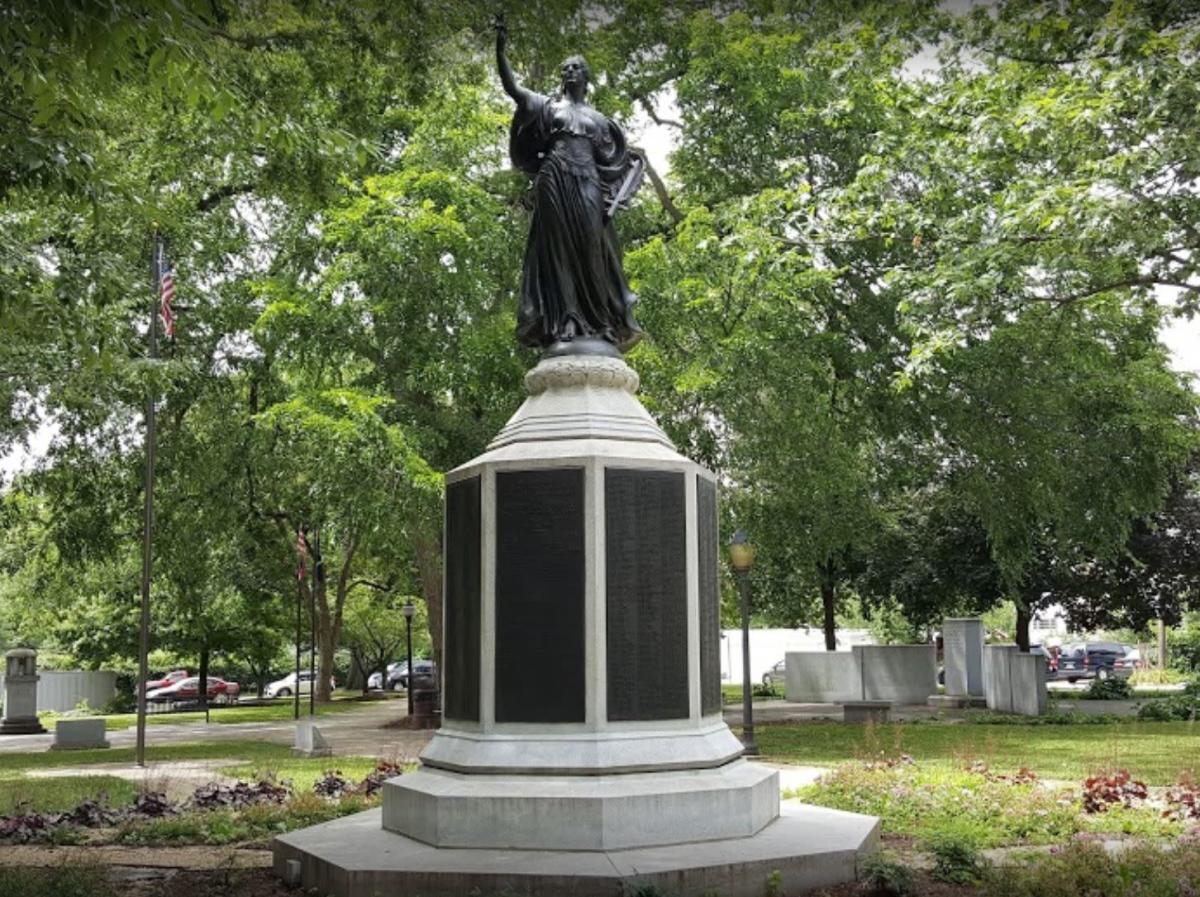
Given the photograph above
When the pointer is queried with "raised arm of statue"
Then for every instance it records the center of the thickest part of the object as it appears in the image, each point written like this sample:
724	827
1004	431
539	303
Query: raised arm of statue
507	78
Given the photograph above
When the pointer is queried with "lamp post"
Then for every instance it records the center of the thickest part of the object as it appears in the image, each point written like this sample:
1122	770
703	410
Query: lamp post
408	610
741	559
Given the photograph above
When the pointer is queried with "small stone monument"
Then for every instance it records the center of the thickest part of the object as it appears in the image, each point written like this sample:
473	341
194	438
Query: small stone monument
20	693
309	741
962	645
1014	682
80	734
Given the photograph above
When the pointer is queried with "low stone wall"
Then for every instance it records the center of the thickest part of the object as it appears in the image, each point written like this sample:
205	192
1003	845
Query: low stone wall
902	674
823	677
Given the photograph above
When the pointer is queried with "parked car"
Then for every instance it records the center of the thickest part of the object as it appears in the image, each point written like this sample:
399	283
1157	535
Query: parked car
220	691
166	679
376	679
777	675
286	687
1051	658
424	674
1090	660
1124	667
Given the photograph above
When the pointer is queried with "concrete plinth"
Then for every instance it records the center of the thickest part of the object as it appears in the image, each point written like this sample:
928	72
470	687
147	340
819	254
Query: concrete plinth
809	847
581	813
309	741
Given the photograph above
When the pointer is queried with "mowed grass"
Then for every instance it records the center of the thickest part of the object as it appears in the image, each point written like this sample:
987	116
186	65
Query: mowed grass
249	760
1157	753
57	795
277	712
235	750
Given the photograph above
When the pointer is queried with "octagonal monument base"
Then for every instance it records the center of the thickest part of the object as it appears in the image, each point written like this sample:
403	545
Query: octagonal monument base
809	847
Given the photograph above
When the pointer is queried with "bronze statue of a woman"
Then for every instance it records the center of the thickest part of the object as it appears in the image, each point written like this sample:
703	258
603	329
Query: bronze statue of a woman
574	296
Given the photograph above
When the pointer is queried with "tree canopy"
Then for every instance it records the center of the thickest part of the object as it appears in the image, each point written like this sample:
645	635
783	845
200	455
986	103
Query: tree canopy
900	284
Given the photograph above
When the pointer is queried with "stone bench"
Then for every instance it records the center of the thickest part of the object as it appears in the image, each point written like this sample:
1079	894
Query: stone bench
866	711
79	734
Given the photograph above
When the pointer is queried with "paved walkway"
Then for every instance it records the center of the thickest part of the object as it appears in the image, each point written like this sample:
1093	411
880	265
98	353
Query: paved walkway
360	731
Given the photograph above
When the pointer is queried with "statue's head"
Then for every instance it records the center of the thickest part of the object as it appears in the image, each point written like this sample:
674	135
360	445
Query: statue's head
575	75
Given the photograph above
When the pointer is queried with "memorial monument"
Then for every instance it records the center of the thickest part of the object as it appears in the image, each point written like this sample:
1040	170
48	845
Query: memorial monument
583	746
20	693
962	658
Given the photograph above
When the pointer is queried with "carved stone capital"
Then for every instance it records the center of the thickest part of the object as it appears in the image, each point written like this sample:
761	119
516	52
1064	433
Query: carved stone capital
563	372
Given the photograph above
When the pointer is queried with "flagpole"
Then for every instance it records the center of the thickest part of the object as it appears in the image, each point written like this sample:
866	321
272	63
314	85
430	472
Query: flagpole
299	631
148	519
312	641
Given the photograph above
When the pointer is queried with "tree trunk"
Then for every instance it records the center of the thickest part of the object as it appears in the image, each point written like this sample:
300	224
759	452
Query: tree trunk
429	568
1162	645
329	619
828	604
1024	618
202	692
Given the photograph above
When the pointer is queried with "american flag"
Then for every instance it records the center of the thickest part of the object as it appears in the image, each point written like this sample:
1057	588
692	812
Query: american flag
302	550
166	292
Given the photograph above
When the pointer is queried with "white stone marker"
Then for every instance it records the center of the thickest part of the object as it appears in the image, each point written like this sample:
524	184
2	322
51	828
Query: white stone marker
309	741
20	693
80	734
962	639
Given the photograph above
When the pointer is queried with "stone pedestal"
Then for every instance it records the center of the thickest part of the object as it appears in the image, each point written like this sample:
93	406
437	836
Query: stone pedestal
1014	682
582	693
20	694
962	655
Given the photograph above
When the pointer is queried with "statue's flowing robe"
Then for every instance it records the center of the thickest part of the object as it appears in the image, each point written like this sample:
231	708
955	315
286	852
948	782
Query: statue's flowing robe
573	285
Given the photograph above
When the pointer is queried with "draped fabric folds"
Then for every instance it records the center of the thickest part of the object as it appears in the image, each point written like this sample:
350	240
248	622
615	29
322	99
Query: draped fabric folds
573	285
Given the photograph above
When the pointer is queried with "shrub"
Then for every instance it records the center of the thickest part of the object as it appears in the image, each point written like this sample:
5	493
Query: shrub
61	880
885	877
1185	706
1103	791
1087	868
956	859
1109	689
1157	677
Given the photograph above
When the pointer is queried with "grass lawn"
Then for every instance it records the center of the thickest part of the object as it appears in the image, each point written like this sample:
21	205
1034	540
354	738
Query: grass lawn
280	711
58	795
250	760
1157	753
249	751
732	694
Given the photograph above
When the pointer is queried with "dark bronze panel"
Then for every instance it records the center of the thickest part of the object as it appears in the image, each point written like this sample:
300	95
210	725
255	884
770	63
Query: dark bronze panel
462	660
646	563
710	596
539	596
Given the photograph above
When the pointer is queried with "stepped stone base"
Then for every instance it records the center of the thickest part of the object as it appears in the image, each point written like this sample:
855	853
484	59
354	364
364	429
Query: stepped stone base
28	725
806	847
603	812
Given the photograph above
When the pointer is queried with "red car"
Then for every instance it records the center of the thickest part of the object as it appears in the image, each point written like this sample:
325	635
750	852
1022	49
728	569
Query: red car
167	679
220	691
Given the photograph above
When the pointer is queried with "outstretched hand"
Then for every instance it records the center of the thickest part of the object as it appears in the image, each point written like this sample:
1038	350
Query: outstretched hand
501	27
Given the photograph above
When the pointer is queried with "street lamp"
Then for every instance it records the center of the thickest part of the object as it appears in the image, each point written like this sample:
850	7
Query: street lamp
741	559
408	610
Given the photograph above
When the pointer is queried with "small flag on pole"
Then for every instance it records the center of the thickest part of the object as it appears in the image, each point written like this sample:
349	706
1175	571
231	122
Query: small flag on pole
166	292
302	550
